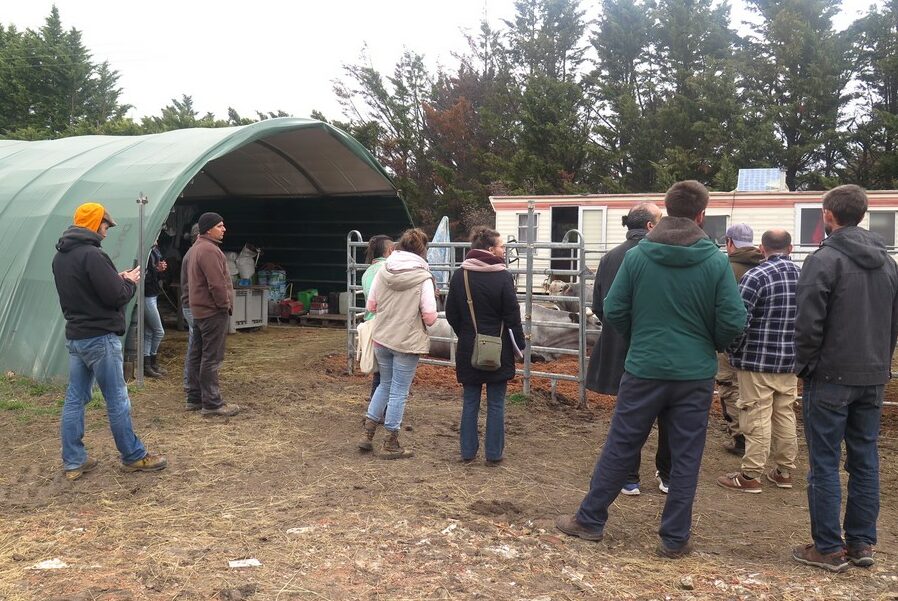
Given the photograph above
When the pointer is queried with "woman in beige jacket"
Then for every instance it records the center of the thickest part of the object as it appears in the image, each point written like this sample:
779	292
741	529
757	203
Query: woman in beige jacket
403	298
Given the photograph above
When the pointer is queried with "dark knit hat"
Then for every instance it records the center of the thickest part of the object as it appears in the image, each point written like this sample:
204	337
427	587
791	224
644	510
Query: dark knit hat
208	221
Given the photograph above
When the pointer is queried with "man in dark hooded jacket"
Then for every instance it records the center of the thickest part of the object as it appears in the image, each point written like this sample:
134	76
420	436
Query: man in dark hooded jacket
93	296
676	300
845	333
606	364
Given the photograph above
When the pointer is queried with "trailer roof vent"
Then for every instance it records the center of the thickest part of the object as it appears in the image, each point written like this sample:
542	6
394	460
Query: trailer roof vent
761	180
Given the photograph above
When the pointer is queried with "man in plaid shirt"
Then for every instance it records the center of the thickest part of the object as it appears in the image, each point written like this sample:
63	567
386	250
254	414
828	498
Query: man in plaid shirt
764	360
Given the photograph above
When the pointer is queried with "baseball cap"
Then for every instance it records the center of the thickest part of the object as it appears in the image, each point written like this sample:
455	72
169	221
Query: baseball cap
741	235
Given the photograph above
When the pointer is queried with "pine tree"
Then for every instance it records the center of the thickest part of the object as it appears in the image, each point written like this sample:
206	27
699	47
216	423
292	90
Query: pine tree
796	72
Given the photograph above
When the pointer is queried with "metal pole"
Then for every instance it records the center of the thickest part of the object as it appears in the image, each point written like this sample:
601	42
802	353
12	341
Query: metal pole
528	298
582	277
141	261
351	273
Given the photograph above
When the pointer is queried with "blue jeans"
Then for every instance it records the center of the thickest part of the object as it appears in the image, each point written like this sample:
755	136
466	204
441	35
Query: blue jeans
152	326
681	408
188	319
833	413
375	382
495	420
97	359
397	370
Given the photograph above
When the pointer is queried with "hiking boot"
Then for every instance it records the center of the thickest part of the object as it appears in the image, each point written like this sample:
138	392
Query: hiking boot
223	410
631	490
739	481
365	443
154	361
149	463
809	556
860	554
493	462
736	446
781	480
676	552
193	405
148	369
570	526
662	485
88	465
392	449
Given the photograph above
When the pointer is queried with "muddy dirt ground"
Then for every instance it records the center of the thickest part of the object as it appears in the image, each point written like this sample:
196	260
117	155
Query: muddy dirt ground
283	483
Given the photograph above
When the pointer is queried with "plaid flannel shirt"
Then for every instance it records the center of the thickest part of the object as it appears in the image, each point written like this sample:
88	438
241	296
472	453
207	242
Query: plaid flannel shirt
768	342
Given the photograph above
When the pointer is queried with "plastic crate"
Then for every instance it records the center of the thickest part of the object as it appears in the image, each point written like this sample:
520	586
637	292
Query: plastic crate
250	308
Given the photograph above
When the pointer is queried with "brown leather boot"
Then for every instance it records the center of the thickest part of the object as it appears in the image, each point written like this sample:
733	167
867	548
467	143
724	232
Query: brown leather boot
370	428
392	450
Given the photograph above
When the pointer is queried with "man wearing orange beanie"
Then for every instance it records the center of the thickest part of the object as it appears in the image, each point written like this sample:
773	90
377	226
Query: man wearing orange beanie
93	296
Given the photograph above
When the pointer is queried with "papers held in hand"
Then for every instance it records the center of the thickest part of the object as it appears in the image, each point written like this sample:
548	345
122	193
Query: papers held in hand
517	350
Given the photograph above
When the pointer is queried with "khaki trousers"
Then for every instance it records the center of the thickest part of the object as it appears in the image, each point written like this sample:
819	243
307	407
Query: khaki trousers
767	420
728	391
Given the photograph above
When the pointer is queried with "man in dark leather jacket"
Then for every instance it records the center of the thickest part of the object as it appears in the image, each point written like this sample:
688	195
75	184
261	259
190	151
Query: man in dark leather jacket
845	334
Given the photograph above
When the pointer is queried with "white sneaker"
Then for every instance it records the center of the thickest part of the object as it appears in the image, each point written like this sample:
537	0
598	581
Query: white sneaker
631	490
662	485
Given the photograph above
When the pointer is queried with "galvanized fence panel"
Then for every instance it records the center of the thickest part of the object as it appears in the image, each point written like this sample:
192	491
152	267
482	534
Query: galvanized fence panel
535	265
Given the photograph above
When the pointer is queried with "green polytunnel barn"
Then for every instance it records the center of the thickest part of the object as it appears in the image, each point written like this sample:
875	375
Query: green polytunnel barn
292	187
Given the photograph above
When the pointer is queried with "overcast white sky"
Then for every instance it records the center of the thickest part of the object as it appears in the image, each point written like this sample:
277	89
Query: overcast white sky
267	54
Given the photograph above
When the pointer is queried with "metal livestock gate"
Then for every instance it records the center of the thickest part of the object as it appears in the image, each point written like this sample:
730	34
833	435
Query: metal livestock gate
573	242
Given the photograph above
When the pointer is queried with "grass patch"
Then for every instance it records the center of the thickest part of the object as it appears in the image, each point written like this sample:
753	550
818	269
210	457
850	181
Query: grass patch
517	398
29	398
96	400
12	405
38	388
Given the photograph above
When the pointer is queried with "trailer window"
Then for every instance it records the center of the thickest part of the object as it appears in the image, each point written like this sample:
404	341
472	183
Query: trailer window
522	227
811	226
883	223
716	228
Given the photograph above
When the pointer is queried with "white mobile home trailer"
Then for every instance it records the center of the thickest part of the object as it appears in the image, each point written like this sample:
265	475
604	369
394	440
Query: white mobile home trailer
598	217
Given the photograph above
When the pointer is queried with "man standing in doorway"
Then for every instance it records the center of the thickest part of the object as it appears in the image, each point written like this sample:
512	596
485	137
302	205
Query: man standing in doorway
741	251
675	299
845	336
606	364
764	360
93	297
209	291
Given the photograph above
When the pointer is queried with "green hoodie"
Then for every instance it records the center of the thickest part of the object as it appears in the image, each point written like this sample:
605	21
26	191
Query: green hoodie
677	302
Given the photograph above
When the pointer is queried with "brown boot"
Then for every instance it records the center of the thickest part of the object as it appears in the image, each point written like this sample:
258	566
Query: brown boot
370	429
392	450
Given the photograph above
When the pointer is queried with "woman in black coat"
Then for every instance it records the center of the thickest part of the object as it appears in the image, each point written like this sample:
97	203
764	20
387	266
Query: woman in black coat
498	314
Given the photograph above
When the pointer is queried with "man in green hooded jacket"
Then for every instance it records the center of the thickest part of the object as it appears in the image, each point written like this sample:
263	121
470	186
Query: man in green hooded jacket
677	302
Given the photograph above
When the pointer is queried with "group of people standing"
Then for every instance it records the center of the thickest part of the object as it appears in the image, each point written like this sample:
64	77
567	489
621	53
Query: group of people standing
671	302
401	296
93	297
677	317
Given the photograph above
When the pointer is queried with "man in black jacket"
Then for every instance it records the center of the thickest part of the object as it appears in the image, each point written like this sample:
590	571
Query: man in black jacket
93	296
606	364
845	334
